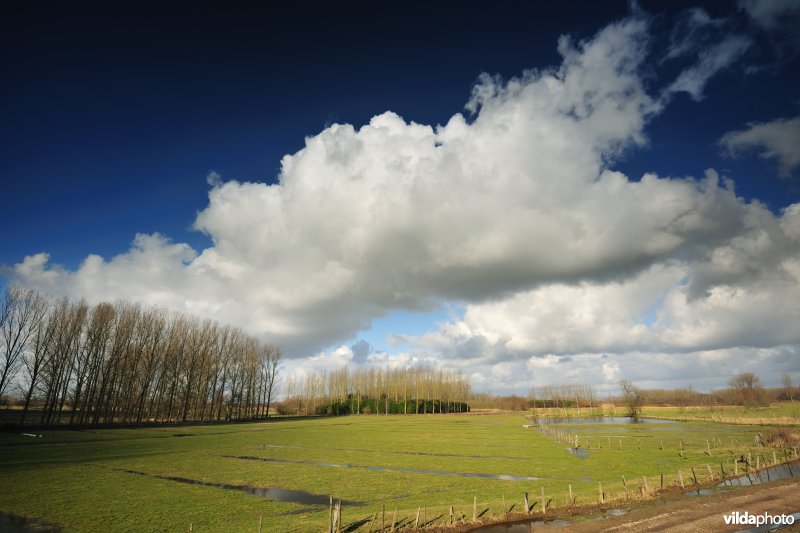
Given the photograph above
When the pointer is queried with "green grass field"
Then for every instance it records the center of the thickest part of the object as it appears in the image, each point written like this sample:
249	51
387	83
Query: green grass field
79	480
782	413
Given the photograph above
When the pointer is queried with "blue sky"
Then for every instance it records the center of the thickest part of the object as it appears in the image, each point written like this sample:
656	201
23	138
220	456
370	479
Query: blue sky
151	139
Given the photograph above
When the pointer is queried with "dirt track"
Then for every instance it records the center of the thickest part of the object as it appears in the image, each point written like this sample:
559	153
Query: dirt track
703	513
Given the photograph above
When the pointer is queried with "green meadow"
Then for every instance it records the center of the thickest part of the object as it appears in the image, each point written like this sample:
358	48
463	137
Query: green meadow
116	479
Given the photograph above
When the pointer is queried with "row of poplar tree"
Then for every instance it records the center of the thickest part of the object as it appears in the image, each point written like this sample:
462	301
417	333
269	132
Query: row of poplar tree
411	390
125	363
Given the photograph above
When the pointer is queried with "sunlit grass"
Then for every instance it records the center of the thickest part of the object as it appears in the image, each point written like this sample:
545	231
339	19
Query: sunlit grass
76	479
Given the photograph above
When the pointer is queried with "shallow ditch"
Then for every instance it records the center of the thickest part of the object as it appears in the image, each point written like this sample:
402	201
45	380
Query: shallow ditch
765	475
10	523
504	477
270	493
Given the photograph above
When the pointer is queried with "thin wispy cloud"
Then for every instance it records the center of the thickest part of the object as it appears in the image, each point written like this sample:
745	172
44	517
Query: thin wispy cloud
777	140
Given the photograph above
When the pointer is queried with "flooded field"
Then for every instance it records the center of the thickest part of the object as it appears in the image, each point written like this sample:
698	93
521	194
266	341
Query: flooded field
285	473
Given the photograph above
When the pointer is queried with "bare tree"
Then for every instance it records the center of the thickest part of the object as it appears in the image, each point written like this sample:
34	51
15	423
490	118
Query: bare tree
748	386
37	357
21	311
633	399
788	388
271	360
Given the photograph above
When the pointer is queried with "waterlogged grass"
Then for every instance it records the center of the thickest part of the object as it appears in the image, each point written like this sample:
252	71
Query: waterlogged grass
78	479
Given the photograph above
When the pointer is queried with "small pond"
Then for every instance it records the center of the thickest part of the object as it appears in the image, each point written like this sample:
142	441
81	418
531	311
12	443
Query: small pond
598	420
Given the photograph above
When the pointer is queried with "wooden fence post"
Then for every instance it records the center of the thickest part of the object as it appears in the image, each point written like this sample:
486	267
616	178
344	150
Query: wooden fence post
474	508
680	478
625	484
544	503
600	490
372	522
525	503
571	499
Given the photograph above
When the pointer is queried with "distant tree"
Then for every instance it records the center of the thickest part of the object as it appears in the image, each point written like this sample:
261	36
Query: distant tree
787	385
632	396
271	361
748	387
21	312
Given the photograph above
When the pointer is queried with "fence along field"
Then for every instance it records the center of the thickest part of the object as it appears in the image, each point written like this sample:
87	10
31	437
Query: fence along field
384	469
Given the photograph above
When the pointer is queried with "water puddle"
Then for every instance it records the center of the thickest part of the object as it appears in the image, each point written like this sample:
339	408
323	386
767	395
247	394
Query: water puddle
504	477
705	492
616	512
522	527
271	493
581	453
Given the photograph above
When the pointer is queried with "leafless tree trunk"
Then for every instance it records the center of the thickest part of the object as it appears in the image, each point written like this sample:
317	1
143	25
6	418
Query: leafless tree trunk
21	311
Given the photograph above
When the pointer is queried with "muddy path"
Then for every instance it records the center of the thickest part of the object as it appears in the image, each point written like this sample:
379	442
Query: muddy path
672	511
704	513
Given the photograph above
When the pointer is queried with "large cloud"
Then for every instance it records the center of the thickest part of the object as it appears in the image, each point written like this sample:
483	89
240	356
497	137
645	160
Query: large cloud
744	292
510	209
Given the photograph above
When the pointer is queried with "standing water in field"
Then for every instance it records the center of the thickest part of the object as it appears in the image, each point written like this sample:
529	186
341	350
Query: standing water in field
599	420
504	477
270	493
10	523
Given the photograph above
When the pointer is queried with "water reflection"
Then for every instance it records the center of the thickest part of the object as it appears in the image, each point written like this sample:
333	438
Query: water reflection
270	493
598	420
505	477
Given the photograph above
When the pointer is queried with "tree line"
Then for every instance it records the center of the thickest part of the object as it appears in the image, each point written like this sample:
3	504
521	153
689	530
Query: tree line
412	390
744	389
126	363
563	396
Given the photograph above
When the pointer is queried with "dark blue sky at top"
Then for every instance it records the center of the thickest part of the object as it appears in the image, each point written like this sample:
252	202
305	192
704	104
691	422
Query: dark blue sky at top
112	114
